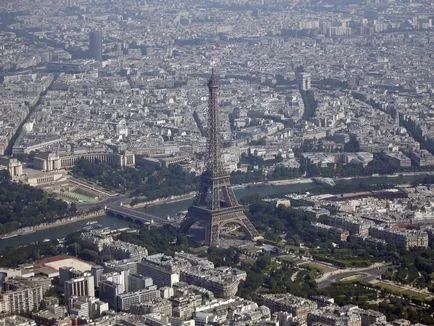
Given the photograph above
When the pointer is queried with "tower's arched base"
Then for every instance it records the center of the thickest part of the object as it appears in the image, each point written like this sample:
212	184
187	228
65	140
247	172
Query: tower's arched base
215	220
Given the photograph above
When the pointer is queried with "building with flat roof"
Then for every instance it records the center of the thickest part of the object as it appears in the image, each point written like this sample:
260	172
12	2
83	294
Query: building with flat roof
87	307
138	282
108	292
82	286
164	270
55	161
67	273
17	320
194	260
23	295
400	237
158	305
126	300
334	316
220	281
297	306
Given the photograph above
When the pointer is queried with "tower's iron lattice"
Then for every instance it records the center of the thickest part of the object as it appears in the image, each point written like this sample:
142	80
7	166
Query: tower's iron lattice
215	204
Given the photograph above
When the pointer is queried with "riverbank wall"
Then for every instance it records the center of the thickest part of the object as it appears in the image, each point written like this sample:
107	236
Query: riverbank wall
159	201
59	222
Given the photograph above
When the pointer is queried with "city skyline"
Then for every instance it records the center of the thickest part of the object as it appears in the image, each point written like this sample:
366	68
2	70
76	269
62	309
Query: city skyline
247	162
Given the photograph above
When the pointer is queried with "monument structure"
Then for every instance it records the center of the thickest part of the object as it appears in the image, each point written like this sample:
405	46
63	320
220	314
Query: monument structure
215	204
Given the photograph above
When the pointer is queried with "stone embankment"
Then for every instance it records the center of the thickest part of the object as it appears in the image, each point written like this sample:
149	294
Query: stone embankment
59	222
170	199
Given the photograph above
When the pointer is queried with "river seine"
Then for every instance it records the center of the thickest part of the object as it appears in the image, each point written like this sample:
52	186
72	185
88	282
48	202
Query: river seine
170	209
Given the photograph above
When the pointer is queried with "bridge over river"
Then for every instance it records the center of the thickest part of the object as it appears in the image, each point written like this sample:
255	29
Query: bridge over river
137	216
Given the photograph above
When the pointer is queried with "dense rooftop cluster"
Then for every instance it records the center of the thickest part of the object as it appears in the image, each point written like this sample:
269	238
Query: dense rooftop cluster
369	65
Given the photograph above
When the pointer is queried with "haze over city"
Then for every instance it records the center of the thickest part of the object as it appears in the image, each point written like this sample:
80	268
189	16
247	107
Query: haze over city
217	162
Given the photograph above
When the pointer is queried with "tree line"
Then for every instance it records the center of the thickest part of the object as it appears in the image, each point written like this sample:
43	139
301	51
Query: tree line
144	182
22	205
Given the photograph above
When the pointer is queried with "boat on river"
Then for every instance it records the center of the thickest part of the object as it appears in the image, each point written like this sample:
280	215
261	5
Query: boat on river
324	181
8	236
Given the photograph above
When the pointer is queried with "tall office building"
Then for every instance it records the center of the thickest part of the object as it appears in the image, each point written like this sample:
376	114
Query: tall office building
23	294
95	45
108	292
67	273
87	308
138	282
97	272
21	300
80	287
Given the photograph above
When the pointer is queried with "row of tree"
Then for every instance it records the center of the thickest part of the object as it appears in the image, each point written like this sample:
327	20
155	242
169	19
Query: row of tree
22	205
144	182
12	257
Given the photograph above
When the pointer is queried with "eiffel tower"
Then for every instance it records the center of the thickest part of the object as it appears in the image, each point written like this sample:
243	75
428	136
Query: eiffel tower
215	204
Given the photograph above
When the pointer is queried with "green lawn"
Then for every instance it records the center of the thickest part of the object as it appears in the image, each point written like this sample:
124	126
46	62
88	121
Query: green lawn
81	196
84	192
399	290
289	258
344	262
351	278
322	268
